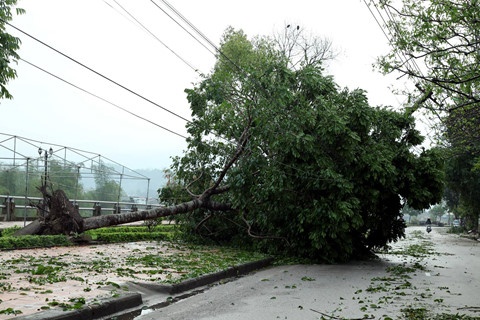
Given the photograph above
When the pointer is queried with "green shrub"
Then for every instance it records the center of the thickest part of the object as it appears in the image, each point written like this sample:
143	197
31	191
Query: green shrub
133	236
33	241
9	231
158	228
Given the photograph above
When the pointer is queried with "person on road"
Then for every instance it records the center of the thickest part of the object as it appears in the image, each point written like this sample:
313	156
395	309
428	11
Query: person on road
429	225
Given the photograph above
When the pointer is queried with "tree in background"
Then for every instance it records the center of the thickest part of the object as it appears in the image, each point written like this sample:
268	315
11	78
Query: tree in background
12	181
8	47
65	176
463	194
437	212
437	44
301	49
106	189
9	181
411	212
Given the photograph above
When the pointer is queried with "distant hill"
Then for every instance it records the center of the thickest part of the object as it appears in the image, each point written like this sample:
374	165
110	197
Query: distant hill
139	187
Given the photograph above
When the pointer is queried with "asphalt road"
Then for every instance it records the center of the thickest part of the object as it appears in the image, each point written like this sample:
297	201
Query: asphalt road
436	271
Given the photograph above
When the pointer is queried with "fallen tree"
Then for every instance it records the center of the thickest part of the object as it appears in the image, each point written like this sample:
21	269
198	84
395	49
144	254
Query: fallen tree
61	217
281	159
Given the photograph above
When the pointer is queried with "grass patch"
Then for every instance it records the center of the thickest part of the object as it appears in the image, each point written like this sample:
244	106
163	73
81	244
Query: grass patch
191	262
423	314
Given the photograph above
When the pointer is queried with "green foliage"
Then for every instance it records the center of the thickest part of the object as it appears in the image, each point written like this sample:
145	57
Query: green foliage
133	236
437	211
8	47
7	232
10	311
157	228
455	230
463	196
442	37
321	174
106	188
64	176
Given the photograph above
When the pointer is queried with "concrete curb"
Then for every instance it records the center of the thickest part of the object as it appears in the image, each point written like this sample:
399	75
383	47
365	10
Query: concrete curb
94	311
110	306
207	279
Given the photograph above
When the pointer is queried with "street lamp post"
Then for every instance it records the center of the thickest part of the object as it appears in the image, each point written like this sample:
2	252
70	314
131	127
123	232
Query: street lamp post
46	155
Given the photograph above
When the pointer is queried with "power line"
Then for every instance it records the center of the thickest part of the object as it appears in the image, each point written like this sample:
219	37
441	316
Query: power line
108	79
153	35
396	29
201	43
181	16
96	72
104	100
202	35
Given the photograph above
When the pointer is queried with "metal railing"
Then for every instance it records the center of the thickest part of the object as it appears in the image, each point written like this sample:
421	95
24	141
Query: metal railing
9	212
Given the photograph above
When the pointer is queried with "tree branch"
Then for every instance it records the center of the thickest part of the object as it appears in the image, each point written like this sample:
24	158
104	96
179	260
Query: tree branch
249	231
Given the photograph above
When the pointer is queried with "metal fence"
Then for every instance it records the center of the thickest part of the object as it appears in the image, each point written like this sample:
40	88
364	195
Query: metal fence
11	211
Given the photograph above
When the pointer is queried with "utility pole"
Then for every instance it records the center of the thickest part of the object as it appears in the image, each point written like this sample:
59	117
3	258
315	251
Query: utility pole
26	195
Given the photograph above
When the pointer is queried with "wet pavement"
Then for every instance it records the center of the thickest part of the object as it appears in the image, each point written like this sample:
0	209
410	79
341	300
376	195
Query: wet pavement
438	271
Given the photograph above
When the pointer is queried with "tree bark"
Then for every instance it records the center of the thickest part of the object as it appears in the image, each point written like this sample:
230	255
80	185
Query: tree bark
63	222
34	227
115	219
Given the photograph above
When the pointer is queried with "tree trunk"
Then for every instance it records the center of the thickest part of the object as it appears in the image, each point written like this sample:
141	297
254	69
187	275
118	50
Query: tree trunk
114	219
63	218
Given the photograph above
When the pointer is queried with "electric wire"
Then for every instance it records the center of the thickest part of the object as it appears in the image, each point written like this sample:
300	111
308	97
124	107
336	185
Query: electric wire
122	14
390	41
383	30
103	99
201	34
158	39
180	25
396	29
110	80
181	16
96	72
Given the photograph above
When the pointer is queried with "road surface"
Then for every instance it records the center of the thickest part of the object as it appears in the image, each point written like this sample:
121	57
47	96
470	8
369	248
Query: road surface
439	272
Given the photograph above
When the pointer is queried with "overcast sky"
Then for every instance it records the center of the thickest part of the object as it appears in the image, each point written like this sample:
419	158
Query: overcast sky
99	34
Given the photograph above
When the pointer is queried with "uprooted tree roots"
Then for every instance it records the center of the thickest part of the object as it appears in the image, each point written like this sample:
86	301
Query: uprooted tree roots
57	216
